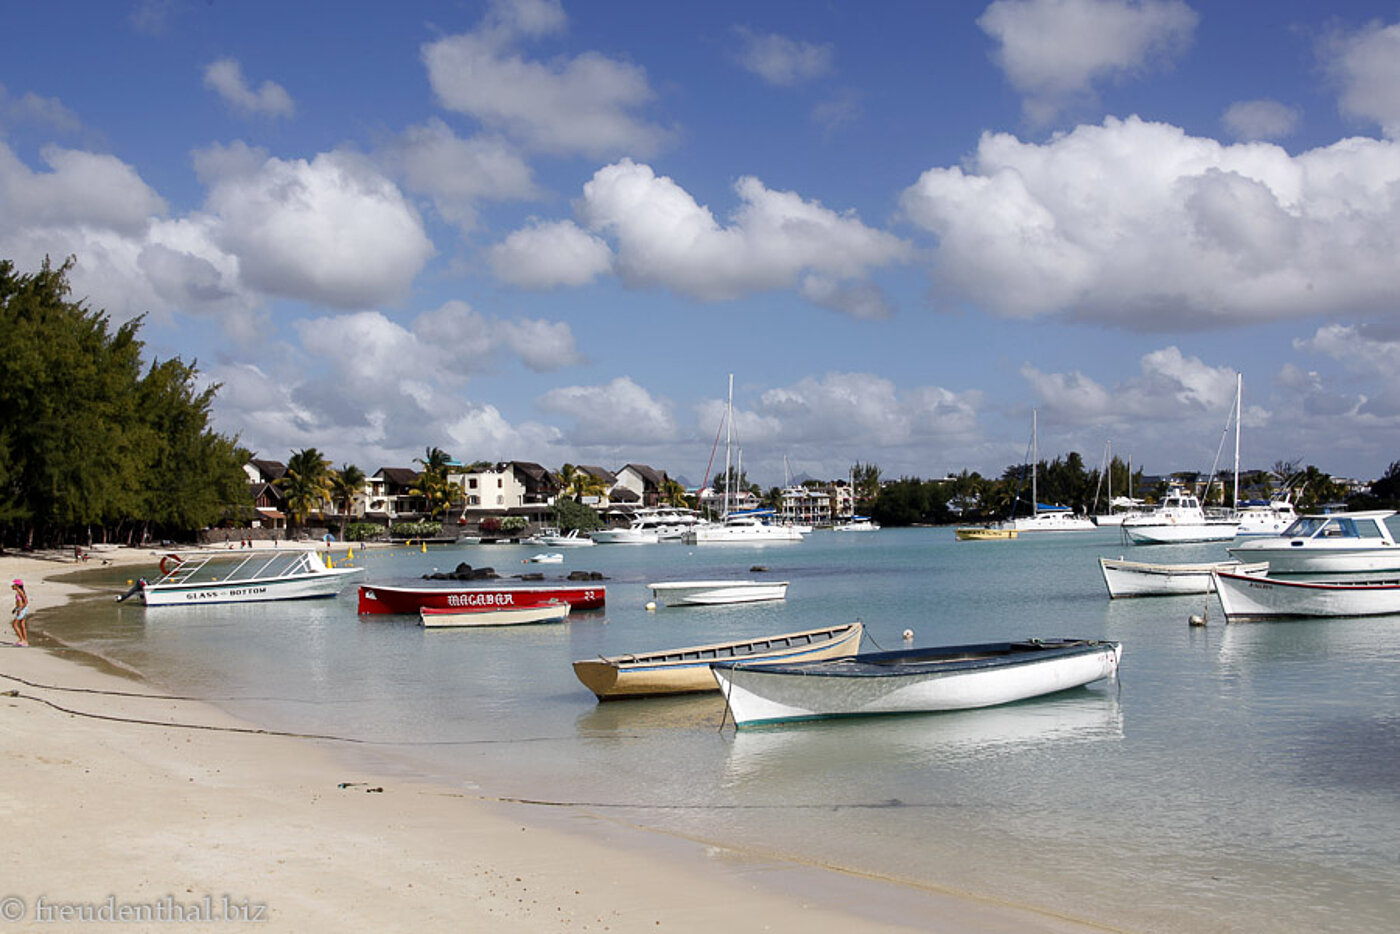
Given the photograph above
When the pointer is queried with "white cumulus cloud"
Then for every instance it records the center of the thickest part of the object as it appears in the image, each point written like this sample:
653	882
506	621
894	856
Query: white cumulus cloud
588	104
225	77
550	255
331	230
664	238
1053	51
1140	225
619	412
1366	64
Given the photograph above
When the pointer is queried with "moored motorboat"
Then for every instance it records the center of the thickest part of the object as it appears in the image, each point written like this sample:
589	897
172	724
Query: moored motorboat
687	670
983	533
912	680
856	524
1248	597
1178	520
1144	579
1328	543
242	577
711	592
551	557
444	617
384	598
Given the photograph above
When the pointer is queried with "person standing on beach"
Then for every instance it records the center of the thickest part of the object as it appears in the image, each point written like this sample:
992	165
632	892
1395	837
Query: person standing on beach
20	611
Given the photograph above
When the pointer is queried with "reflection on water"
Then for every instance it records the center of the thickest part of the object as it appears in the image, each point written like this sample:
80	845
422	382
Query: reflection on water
834	746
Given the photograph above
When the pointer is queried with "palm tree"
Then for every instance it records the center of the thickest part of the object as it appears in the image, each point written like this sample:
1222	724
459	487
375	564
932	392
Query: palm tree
567	474
307	484
433	484
673	494
346	487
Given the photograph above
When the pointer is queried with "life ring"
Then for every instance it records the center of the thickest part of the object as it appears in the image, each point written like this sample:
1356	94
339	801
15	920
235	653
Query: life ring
174	561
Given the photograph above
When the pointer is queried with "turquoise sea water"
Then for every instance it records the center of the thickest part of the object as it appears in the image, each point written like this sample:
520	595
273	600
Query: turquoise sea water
1234	778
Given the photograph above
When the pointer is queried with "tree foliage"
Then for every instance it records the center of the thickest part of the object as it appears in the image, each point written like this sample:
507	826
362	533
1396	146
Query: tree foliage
90	446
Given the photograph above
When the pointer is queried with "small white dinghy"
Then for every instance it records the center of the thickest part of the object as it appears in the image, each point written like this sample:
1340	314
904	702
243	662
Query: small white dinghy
444	617
714	592
924	680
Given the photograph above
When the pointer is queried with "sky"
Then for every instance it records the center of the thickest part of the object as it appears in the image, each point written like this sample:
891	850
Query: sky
550	231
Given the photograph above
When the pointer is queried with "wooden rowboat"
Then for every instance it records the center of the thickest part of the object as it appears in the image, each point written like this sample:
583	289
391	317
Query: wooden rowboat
1245	597
956	677
687	670
442	617
1143	579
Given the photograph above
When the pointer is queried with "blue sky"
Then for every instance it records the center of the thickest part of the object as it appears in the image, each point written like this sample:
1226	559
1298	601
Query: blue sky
549	231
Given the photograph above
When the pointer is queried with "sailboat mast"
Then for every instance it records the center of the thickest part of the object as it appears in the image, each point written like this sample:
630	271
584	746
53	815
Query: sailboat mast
728	440
1239	394
1035	465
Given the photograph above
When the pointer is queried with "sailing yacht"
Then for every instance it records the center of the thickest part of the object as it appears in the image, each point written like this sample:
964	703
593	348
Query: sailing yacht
1045	518
750	527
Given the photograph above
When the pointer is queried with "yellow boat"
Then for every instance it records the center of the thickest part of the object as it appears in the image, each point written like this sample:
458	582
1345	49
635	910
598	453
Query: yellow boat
687	670
983	533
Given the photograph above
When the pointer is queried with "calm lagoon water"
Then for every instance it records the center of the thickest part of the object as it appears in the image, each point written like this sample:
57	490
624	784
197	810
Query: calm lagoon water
1234	778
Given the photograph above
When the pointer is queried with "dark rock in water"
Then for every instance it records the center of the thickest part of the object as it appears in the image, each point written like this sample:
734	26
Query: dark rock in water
758	569
463	572
585	576
536	576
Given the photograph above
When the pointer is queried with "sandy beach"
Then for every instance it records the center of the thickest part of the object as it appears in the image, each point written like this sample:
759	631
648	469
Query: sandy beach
125	815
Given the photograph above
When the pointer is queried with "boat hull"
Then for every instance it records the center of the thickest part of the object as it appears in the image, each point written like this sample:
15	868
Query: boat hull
1179	533
1141	579
410	600
443	618
1245	598
715	592
687	670
322	584
918	681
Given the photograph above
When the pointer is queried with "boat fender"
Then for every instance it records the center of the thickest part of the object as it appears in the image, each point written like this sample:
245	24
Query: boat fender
170	563
908	635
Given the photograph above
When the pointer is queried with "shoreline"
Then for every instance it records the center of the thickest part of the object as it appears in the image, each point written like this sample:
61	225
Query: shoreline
140	812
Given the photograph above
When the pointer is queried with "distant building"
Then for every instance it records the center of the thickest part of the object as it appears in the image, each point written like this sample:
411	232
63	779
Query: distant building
642	480
389	495
517	488
804	505
268	500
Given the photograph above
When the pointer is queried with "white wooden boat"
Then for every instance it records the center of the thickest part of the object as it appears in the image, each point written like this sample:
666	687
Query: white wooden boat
913	680
443	617
983	533
687	670
1246	597
857	524
552	557
242	577
711	592
1143	579
1328	543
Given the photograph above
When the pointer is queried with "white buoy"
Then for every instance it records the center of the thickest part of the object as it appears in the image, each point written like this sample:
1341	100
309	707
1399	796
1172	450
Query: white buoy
651	605
1197	619
908	635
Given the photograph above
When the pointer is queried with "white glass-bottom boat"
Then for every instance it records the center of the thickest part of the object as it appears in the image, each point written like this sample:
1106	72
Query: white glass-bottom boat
242	577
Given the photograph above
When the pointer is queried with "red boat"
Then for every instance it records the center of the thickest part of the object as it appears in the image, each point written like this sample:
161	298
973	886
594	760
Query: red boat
375	598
